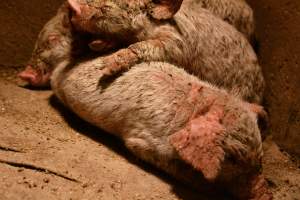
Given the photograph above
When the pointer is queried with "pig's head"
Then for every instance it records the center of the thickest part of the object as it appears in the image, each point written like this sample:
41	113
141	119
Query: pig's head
49	51
120	19
222	140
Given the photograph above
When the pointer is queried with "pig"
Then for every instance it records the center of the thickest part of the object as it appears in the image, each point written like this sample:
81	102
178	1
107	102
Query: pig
194	39
198	133
57	42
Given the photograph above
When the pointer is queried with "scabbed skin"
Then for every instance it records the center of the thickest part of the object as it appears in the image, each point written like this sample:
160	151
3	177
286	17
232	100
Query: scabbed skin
193	38
196	132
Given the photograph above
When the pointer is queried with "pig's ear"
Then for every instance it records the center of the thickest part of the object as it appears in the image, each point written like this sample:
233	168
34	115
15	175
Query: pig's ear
75	6
200	145
164	9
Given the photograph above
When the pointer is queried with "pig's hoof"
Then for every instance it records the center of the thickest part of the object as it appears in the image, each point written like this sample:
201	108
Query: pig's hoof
106	79
138	146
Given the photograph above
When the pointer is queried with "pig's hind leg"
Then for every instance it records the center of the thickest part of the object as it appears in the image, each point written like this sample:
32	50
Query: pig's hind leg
150	149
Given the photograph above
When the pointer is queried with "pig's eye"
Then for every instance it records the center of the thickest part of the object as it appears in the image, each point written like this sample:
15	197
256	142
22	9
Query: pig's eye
45	61
104	9
94	17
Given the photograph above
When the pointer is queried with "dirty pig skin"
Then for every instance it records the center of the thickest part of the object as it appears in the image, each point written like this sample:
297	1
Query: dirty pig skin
167	117
236	12
174	32
57	39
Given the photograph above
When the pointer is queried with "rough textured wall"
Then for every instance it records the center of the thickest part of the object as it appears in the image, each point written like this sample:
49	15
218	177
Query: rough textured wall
278	30
278	33
20	22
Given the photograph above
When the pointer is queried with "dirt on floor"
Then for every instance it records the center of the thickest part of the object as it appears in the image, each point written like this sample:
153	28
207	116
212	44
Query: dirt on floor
46	152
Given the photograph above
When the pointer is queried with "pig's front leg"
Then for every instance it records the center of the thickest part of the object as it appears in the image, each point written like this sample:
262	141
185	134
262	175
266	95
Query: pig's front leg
145	51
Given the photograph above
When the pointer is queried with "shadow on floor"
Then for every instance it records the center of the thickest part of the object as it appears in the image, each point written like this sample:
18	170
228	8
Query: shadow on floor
113	143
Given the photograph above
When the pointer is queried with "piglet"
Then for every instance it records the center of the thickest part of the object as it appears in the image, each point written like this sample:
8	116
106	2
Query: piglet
190	129
184	35
58	42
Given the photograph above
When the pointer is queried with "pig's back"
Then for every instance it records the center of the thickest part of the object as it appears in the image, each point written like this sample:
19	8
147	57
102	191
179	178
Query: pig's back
150	96
216	52
236	12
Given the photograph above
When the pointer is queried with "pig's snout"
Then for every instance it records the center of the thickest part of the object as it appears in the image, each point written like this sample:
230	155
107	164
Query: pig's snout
28	75
34	78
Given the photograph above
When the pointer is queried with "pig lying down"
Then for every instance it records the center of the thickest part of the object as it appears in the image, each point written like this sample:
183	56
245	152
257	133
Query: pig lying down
172	120
192	38
241	64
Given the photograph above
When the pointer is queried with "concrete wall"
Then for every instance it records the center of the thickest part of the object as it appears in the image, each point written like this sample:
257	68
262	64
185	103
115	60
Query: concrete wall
20	22
278	33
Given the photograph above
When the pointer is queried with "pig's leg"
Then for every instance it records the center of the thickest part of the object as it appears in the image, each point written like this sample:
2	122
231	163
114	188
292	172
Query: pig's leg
150	50
148	145
138	146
